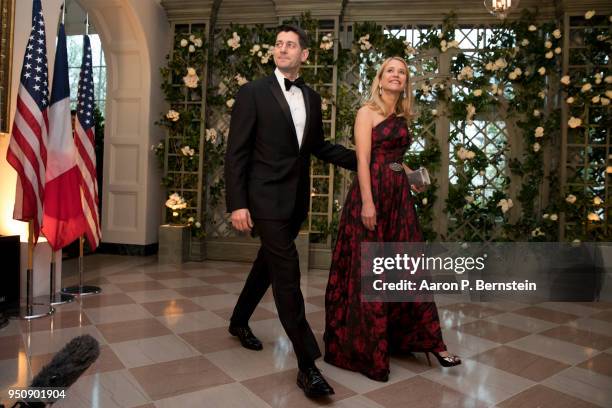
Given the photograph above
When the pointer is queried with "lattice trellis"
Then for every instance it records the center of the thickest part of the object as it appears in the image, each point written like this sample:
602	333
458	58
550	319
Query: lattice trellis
321	74
488	134
181	171
586	152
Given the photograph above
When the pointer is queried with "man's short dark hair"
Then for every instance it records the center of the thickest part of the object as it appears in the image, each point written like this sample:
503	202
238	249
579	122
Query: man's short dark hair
304	41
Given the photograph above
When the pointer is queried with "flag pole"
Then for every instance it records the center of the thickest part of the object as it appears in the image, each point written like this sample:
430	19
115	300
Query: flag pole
81	289
31	310
57	298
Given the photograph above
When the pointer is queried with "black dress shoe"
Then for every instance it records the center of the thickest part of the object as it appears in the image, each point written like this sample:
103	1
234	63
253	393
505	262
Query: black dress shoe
246	337
313	383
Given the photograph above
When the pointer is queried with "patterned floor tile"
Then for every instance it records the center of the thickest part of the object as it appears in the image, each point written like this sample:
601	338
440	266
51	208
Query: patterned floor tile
423	393
132	330
279	390
521	363
540	396
177	377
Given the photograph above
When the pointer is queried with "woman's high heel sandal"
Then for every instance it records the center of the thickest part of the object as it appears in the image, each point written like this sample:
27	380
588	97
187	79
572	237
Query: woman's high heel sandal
446	361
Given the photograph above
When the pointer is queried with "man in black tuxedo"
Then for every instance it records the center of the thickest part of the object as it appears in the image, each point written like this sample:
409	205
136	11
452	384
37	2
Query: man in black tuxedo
276	125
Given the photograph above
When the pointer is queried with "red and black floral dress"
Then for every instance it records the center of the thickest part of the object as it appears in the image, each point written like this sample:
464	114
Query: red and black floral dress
360	335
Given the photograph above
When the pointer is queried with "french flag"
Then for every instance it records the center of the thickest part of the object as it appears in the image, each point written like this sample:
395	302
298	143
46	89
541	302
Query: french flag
63	218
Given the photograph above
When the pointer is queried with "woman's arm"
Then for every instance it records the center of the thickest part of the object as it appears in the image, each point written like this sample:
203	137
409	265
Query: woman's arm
363	149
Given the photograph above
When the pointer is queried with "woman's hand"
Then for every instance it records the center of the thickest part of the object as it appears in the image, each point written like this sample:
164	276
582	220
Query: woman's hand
368	216
417	189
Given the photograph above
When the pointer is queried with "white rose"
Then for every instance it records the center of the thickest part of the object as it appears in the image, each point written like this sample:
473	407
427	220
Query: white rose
542	71
191	48
532	28
517	71
489	66
230	102
595	99
477	92
191	37
548	44
536	147
525	42
197	224
574	122
505	204
570	198
589	14
542	94
187	151
554	217
609	94
605	101
570	100
557	33
424	201
198	42
608	79
184	42
190	219
558	50
211	135
191	71
536	113
539	131
597	200
173	115
565	79
586	87
549	55
545	216
501	63
434	112
593	217
512	76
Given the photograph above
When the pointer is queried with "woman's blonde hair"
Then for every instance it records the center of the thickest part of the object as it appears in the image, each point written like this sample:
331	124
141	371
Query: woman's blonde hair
403	107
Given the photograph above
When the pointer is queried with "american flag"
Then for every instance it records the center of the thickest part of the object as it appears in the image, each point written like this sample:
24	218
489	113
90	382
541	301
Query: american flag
27	151
84	139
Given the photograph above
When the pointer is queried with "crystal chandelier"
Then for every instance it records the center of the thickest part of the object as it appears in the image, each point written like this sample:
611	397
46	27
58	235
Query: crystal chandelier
500	8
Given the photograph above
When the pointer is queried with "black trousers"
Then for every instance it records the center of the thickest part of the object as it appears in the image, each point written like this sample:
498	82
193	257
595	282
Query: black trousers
277	264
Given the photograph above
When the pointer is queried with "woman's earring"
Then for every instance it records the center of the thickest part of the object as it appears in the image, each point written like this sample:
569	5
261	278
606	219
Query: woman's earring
404	94
379	89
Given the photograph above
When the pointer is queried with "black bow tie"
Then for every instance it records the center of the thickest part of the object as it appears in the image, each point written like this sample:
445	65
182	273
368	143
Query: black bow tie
299	82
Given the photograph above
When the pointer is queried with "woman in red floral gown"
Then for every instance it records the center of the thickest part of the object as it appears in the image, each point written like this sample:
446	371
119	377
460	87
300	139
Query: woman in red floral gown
379	207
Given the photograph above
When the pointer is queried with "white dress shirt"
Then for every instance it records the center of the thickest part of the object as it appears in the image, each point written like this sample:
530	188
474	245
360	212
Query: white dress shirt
295	99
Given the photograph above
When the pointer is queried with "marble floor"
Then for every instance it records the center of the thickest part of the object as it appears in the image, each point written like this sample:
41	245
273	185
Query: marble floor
164	343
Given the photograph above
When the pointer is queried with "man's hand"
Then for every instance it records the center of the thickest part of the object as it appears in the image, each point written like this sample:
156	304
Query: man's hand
241	220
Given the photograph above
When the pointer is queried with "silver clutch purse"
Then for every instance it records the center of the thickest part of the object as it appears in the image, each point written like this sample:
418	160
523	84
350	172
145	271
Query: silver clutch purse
419	177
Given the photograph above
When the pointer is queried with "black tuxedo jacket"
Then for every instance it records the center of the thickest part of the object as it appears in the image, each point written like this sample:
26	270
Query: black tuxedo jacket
265	169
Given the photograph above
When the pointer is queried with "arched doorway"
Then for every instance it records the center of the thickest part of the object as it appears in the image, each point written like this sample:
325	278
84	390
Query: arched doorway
134	37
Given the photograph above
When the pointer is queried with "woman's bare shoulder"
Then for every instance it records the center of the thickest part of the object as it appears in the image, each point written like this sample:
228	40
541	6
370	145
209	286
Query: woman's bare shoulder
365	114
